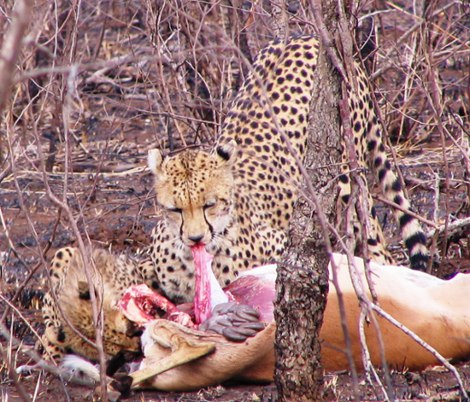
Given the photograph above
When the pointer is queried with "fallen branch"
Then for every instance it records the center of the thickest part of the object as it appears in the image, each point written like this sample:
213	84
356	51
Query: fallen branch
452	231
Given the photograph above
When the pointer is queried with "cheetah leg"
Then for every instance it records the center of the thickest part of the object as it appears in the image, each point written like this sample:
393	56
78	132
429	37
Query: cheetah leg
368	132
370	152
54	336
376	244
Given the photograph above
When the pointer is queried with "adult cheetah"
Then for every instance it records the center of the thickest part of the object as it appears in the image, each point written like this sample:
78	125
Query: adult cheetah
237	200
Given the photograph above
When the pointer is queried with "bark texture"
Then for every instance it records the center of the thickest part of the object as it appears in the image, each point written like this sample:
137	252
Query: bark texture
302	284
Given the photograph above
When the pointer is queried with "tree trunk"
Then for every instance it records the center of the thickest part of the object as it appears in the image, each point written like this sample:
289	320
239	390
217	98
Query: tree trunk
302	283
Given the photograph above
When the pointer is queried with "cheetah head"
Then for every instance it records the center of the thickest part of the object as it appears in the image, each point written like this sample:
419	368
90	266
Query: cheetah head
194	190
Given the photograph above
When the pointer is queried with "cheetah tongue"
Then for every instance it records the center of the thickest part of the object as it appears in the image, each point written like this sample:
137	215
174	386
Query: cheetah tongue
208	292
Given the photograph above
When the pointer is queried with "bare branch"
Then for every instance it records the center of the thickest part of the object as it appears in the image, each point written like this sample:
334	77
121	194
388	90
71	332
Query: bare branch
12	46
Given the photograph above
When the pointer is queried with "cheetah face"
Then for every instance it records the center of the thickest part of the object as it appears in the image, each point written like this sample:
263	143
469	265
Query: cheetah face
194	190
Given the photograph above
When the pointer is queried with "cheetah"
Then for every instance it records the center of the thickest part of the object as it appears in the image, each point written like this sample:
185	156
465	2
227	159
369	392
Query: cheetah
69	296
238	199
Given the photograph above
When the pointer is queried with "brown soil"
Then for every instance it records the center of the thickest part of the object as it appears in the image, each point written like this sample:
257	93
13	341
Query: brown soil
431	385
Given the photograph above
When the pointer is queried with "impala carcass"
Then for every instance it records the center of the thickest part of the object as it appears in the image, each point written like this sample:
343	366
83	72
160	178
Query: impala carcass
189	357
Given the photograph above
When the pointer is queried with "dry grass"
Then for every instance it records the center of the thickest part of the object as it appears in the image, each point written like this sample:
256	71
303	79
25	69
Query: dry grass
97	84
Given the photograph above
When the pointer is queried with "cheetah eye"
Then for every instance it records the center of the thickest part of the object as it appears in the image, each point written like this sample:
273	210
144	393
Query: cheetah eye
174	209
209	204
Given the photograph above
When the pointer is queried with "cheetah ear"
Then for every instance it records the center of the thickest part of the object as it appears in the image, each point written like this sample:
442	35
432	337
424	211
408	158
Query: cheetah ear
155	160
227	152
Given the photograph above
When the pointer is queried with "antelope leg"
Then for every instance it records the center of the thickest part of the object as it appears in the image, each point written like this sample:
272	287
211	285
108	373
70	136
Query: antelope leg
183	351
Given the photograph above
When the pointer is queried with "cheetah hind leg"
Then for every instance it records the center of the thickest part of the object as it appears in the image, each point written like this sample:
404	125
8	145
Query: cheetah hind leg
373	236
48	347
49	351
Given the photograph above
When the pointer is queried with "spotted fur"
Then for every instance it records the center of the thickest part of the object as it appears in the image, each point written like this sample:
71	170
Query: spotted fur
238	199
70	296
370	152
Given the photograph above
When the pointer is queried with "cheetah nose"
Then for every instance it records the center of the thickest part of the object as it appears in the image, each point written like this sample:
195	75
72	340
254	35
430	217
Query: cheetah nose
196	239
